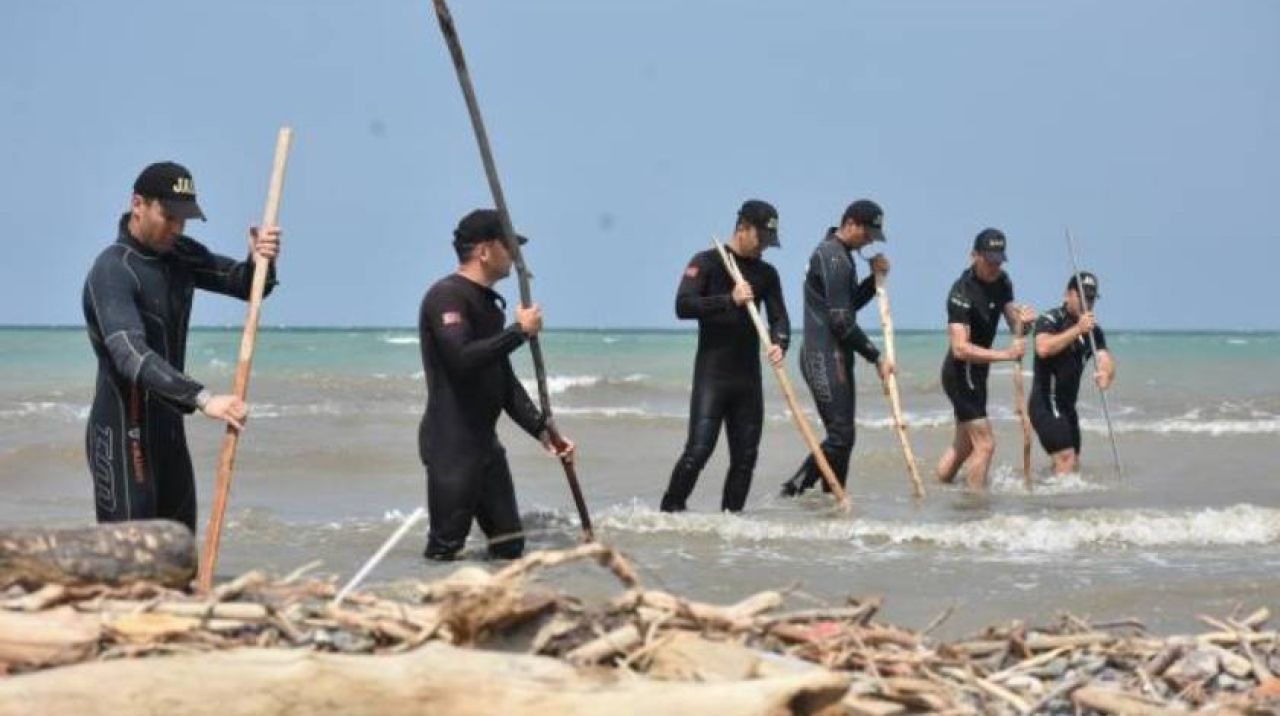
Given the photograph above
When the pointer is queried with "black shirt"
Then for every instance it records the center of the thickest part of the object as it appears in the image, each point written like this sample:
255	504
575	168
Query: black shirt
465	357
728	345
1057	378
980	306
832	297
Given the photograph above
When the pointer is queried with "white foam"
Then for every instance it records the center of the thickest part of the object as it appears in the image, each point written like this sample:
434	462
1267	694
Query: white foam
401	340
41	408
268	411
1007	480
605	411
1191	424
1098	529
557	384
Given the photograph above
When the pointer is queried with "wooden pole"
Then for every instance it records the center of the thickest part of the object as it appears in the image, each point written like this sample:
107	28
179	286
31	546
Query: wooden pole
231	439
450	33
1020	405
780	372
891	388
1102	394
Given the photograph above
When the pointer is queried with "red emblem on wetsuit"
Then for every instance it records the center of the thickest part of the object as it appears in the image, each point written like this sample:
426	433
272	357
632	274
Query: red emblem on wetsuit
451	318
691	272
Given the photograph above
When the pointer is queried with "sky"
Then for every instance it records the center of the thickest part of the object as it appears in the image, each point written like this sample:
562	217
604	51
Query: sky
628	133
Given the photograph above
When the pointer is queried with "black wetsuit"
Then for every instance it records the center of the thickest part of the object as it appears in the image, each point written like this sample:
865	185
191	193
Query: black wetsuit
465	356
832	297
726	373
136	306
980	306
1056	385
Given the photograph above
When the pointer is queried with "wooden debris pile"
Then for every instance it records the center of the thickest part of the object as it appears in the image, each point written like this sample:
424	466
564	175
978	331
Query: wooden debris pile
1071	667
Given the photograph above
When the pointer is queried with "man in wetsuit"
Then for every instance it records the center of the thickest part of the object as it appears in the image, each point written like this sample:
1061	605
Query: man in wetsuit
466	359
1062	349
726	371
977	300
832	297
137	301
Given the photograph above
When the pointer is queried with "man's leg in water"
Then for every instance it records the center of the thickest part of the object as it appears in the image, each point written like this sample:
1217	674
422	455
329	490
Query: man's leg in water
497	512
706	413
833	393
744	420
984	448
175	482
1065	462
959	451
453	488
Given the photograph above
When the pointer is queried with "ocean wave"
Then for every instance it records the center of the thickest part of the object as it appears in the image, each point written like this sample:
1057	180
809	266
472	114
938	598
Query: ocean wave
1007	480
401	340
605	411
1098	529
1191	423
44	408
268	411
558	384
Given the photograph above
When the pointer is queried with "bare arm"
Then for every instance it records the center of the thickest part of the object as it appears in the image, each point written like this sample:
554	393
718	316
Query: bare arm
963	350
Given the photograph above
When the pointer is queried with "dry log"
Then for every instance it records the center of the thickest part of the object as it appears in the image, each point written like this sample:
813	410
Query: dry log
685	656
433	679
1120	703
57	636
121	553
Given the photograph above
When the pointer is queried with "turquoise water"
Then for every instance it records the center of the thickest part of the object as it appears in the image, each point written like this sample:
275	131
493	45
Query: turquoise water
329	464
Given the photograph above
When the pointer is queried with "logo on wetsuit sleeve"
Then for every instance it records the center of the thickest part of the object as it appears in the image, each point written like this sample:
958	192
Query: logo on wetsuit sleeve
960	302
451	318
691	272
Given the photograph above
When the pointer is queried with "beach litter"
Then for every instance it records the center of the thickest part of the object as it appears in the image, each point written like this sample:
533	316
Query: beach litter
502	639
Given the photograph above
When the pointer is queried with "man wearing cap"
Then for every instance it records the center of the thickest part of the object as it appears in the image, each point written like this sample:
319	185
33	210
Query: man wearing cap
832	297
726	372
1062	349
466	351
977	300
137	301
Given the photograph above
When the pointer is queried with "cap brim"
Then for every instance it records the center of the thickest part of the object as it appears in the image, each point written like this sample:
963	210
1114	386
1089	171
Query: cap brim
995	257
184	210
768	237
876	233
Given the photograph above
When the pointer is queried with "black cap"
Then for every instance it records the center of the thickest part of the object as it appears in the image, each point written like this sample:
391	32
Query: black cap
480	226
172	184
1088	280
764	217
865	212
991	244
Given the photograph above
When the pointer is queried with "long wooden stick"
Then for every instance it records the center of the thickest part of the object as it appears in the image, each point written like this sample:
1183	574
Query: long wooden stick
1020	405
1102	394
513	246
231	439
891	388
780	372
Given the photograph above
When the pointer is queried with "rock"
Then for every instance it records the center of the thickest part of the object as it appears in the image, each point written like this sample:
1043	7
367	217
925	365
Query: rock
1196	666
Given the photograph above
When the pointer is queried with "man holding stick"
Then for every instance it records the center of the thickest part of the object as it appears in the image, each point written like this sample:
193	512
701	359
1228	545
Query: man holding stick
1062	349
832	297
726	375
466	359
977	300
137	302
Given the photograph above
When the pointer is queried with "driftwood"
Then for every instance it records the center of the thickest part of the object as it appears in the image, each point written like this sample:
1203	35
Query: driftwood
436	678
281	644
157	551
